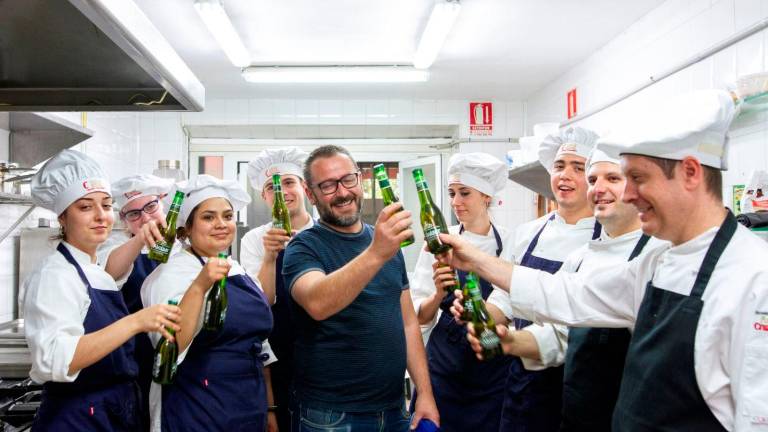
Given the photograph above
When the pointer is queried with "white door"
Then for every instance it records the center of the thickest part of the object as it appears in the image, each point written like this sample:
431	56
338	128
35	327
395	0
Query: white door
433	174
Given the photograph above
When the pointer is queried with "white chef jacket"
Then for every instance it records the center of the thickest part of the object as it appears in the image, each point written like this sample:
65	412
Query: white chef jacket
422	285
603	252
731	342
170	281
117	239
556	242
252	247
55	304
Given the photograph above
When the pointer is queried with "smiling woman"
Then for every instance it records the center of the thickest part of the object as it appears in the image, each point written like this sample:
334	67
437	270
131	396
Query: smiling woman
229	360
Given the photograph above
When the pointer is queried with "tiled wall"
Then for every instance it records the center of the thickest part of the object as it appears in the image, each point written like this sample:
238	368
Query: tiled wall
668	35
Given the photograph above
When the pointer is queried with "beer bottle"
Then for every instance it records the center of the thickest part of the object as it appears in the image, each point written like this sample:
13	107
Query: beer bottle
162	249
485	327
166	353
216	304
388	195
281	218
432	220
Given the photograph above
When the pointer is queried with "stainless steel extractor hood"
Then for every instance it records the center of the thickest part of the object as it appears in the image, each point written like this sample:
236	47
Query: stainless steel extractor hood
89	55
35	137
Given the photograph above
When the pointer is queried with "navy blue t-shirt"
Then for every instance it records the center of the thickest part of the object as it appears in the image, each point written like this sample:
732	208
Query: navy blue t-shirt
355	360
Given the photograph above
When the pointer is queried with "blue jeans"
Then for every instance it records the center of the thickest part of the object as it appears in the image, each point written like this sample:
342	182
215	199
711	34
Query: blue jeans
325	420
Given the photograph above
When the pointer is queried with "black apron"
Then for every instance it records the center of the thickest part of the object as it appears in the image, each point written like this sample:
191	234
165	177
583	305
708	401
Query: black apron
468	393
281	340
144	351
594	364
659	390
533	401
104	396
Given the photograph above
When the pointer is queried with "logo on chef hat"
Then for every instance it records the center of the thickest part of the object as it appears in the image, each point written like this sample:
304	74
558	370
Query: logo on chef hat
131	194
567	148
94	184
454	178
271	171
762	323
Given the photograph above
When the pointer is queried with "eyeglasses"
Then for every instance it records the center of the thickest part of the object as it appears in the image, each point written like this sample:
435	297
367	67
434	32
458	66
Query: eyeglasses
329	187
134	215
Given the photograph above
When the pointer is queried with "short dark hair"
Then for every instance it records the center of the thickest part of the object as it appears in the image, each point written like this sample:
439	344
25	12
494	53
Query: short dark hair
323	152
713	178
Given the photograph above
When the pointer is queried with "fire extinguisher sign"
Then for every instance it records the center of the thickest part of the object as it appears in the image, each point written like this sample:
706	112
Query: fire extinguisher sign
480	118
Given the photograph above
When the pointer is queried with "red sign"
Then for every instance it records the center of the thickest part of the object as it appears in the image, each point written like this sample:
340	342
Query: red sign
572	108
480	118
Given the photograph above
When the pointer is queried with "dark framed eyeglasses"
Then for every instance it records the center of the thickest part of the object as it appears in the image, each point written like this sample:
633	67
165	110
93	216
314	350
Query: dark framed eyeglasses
134	215
329	187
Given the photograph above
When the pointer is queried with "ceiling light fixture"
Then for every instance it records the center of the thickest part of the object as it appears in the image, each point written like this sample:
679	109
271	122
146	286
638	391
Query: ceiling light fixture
218	23
334	74
439	24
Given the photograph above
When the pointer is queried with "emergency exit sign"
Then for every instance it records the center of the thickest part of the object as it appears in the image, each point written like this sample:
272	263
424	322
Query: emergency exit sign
480	118
572	107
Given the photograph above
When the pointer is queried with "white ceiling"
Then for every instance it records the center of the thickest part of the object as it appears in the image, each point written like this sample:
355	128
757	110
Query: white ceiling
503	49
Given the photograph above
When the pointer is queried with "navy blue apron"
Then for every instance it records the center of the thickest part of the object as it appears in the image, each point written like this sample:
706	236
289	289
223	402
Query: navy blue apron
469	393
533	400
104	397
594	364
144	351
659	390
220	384
281	340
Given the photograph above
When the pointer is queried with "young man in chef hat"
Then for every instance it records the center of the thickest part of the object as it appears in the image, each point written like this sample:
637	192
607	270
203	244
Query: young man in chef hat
696	360
533	397
261	255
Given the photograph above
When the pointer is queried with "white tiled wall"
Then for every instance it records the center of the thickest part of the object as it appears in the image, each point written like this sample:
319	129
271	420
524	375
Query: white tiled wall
671	33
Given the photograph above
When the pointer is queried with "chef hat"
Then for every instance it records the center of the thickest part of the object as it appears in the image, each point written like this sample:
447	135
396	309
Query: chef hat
204	186
275	161
479	171
695	124
65	178
598	155
136	186
574	141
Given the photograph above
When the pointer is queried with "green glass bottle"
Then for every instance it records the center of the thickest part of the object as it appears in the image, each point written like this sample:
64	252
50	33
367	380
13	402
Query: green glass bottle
166	353
162	249
216	304
388	195
432	220
483	323
281	218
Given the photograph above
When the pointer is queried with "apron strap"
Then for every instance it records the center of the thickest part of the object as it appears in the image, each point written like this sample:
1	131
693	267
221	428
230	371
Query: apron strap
596	230
535	241
199	258
68	256
716	248
639	246
496	235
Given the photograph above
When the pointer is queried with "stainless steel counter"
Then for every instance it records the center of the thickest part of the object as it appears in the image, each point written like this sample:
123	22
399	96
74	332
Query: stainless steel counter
15	358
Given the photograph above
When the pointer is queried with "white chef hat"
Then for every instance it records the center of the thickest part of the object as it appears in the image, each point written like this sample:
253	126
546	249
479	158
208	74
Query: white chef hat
276	161
598	155
136	186
65	178
479	171
694	124
204	186
574	140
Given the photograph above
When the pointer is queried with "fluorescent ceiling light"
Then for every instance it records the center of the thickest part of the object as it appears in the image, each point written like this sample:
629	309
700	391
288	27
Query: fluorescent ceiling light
440	22
333	74
218	23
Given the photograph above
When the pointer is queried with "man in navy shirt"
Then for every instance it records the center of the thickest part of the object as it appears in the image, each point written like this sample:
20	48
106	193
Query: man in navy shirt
356	326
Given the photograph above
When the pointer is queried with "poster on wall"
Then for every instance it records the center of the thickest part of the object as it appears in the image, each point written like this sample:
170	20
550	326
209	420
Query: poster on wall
480	118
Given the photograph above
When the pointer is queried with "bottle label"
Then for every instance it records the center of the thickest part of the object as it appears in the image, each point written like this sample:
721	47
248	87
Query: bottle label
474	292
422	185
469	307
278	225
431	232
156	366
488	339
161	248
